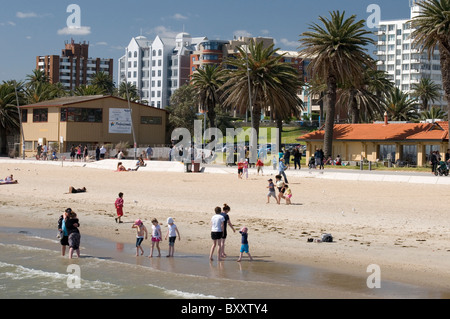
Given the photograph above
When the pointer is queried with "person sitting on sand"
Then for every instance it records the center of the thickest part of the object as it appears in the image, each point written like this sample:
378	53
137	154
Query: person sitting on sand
121	168
8	180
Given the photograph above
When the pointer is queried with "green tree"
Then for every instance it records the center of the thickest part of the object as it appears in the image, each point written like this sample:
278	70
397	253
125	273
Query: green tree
400	107
104	82
128	89
363	99
338	53
432	30
270	81
427	91
207	82
433	114
38	76
85	90
9	115
183	108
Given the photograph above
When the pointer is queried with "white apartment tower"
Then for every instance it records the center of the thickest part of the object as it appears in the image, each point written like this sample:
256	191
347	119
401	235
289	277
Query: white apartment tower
404	63
157	67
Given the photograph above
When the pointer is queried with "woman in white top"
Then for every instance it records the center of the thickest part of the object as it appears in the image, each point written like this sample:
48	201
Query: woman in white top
217	222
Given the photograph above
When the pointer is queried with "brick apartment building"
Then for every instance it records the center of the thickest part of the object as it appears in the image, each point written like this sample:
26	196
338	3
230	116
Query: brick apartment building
74	67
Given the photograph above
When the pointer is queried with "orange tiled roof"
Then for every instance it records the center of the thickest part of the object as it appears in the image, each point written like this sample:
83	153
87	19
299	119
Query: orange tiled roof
382	132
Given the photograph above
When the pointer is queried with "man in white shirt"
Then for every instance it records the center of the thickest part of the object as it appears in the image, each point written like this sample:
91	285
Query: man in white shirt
102	152
217	222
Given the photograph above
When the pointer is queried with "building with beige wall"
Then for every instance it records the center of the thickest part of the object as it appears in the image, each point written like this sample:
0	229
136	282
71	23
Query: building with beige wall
408	143
91	121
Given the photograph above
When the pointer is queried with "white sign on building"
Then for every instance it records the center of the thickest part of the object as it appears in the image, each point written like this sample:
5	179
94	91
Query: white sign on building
119	121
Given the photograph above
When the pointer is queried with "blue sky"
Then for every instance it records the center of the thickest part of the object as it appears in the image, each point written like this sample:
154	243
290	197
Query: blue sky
29	28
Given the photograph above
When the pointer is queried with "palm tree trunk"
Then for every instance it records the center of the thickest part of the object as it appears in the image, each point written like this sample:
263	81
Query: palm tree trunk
354	108
445	69
331	110
256	114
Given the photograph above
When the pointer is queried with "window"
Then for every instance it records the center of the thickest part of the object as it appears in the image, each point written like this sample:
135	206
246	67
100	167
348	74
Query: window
81	115
28	145
24	115
135	64
210	57
159	62
159	52
387	152
151	120
135	54
410	154
40	115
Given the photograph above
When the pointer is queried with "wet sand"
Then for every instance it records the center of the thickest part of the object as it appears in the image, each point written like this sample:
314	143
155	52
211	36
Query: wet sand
403	228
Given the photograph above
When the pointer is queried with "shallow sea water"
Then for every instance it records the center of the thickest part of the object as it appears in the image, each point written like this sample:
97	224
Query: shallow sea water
31	266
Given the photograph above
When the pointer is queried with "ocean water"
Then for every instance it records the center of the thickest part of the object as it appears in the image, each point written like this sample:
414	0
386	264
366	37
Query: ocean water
31	266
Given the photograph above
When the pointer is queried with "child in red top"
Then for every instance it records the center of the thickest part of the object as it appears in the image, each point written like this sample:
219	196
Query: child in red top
119	207
259	166
240	168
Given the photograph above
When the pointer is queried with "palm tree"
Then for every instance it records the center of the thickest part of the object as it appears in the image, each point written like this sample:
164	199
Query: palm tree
9	115
426	90
259	75
128	89
433	114
364	100
207	82
432	30
38	76
338	55
84	90
103	81
400	107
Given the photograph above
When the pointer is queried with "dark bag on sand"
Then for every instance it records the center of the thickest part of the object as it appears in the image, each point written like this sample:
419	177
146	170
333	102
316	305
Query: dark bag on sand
327	238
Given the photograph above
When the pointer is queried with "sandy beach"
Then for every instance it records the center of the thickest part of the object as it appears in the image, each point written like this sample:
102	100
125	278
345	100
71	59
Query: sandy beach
401	227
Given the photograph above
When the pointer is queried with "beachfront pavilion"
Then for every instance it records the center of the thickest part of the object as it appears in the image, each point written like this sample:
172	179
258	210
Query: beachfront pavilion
407	144
91	120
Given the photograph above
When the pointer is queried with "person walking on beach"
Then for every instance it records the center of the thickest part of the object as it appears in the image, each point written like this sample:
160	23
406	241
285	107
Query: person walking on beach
172	232
240	166
156	237
297	158
287	194
149	152
260	167
63	234
244	244
271	192
280	186
72	153
119	207
72	224
281	169
225	210
217	222
141	234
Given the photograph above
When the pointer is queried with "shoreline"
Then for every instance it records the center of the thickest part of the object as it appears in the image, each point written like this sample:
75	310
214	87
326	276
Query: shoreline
410	244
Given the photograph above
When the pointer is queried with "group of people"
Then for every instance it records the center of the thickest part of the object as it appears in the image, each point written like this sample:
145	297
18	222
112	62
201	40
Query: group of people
284	191
219	223
69	233
156	236
81	153
42	151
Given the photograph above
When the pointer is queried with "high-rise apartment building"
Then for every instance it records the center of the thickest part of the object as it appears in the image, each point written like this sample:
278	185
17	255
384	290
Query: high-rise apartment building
402	61
74	67
157	68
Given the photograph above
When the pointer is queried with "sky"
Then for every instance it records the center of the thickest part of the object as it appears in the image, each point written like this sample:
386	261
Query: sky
30	28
